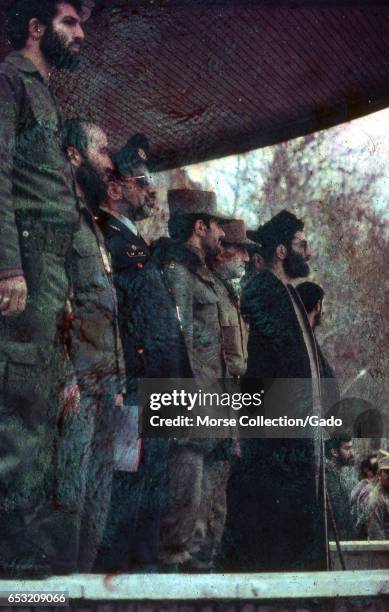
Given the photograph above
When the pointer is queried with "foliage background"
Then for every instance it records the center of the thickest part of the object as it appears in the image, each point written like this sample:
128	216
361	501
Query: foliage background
336	180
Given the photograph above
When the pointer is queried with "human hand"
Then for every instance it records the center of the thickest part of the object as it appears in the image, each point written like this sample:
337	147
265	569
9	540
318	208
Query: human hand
13	296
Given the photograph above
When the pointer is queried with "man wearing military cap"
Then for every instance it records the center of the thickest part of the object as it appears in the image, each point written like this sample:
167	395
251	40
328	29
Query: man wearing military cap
229	266
378	510
174	321
130	198
193	522
281	345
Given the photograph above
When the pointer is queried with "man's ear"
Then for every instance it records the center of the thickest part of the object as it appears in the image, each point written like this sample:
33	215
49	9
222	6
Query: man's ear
281	252
199	227
114	191
318	306
36	29
74	156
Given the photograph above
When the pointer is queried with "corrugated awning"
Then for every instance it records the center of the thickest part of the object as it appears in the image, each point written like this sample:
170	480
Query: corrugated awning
205	79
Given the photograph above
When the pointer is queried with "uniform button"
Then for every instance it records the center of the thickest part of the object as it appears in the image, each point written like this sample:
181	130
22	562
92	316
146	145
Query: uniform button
25	234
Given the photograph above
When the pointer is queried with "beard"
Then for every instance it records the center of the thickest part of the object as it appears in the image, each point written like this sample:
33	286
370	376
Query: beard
231	269
295	265
342	461
55	51
92	185
143	212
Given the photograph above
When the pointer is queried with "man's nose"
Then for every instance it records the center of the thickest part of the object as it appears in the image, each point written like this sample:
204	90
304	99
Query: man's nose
110	164
80	33
308	252
221	233
245	256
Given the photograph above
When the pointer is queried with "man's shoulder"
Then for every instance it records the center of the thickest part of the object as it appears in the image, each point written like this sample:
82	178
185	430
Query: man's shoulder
125	247
11	79
266	293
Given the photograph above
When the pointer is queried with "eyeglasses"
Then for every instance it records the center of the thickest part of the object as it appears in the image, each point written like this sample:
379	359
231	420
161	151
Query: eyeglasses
303	244
142	181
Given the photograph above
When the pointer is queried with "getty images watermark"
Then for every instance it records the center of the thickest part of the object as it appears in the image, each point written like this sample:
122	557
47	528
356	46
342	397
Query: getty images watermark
283	408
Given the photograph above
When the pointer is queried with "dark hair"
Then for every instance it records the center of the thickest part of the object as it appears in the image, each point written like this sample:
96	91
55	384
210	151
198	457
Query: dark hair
279	230
310	294
20	12
334	444
181	226
367	465
73	134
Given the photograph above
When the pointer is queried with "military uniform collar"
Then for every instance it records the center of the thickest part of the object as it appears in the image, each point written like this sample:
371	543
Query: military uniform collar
23	64
128	223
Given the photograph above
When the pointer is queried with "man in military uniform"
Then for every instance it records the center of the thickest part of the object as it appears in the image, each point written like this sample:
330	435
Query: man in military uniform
130	198
38	215
193	520
86	448
229	266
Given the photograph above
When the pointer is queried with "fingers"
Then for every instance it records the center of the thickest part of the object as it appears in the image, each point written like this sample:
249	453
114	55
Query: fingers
13	297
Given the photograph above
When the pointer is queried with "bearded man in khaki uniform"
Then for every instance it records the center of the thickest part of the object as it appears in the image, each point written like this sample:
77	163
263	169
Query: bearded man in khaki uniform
229	266
193	524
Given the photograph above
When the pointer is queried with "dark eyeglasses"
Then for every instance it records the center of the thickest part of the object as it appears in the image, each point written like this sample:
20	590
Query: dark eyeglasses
142	181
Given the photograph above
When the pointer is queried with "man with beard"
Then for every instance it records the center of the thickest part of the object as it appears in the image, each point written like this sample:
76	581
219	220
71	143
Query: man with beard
340	479
229	266
38	215
276	516
85	451
192	521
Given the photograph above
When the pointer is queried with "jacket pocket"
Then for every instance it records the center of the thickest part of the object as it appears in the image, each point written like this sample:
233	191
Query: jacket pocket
20	374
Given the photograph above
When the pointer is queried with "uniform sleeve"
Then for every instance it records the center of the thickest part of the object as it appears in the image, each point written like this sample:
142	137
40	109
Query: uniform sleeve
180	283
10	260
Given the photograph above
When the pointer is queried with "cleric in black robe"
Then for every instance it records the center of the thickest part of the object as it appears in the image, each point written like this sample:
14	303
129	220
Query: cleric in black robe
276	511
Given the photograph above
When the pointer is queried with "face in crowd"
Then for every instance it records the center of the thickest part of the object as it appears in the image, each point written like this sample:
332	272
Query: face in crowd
95	166
62	40
298	254
345	453
383	476
231	260
210	237
139	193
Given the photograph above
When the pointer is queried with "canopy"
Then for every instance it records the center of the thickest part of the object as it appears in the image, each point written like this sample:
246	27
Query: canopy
203	79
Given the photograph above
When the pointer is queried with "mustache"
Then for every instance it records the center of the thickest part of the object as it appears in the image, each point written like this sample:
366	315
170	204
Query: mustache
77	42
